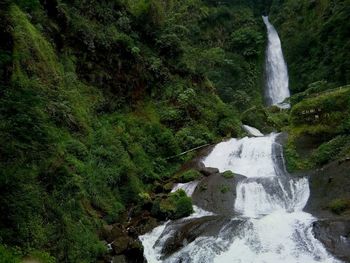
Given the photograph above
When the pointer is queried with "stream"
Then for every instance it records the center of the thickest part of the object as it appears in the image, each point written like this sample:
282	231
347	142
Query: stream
267	223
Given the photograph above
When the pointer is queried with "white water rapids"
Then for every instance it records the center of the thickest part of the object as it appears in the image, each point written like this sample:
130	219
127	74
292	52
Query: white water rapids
276	69
269	227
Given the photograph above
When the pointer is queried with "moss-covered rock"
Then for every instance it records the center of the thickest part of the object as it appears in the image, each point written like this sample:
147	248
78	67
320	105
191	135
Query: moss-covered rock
189	175
174	206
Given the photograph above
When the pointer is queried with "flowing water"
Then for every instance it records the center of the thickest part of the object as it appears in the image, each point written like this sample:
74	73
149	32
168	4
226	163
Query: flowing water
276	69
269	225
252	131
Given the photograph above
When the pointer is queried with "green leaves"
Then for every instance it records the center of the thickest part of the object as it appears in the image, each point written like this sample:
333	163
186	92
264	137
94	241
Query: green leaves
247	41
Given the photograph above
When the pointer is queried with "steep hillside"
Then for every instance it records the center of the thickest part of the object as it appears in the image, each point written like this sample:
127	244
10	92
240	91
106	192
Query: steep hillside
95	98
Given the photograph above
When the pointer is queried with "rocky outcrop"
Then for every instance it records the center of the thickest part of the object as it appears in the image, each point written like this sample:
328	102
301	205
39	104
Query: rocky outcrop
207	171
184	232
124	243
335	235
326	185
217	194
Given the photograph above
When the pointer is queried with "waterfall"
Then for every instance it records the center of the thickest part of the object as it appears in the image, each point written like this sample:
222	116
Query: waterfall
269	226
277	89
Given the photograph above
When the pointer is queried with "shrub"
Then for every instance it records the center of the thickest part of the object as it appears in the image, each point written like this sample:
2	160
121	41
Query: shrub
8	256
224	189
229	127
247	41
228	174
175	206
330	150
182	203
189	175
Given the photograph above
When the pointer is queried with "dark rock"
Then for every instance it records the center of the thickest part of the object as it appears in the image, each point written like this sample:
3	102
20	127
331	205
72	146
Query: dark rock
209	194
132	232
335	235
146	224
134	253
121	244
116	232
207	171
119	259
185	231
326	185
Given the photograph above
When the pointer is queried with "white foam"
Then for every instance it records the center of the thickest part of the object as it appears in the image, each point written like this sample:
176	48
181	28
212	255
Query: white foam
187	187
276	69
248	156
252	131
272	227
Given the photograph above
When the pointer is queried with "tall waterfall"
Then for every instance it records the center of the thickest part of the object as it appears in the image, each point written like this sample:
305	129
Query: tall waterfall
277	79
269	225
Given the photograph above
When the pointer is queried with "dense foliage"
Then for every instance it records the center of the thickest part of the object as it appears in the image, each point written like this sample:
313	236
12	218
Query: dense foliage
96	95
316	42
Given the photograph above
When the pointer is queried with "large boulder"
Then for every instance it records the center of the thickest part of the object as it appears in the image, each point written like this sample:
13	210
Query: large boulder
335	235
208	171
217	193
328	184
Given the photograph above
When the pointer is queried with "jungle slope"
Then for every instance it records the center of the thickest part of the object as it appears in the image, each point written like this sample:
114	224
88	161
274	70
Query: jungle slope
95	98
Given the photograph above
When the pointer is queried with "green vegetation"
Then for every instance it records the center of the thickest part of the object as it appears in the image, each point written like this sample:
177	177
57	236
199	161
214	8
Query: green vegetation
265	119
318	127
189	175
174	206
224	189
95	96
339	206
228	174
315	40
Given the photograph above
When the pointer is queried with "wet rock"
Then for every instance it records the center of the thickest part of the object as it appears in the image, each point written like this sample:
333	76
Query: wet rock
185	231
335	235
182	232
217	194
208	171
326	185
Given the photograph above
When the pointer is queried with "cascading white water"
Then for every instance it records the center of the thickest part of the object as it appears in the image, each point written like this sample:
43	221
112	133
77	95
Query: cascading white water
187	187
271	227
252	131
276	69
244	157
